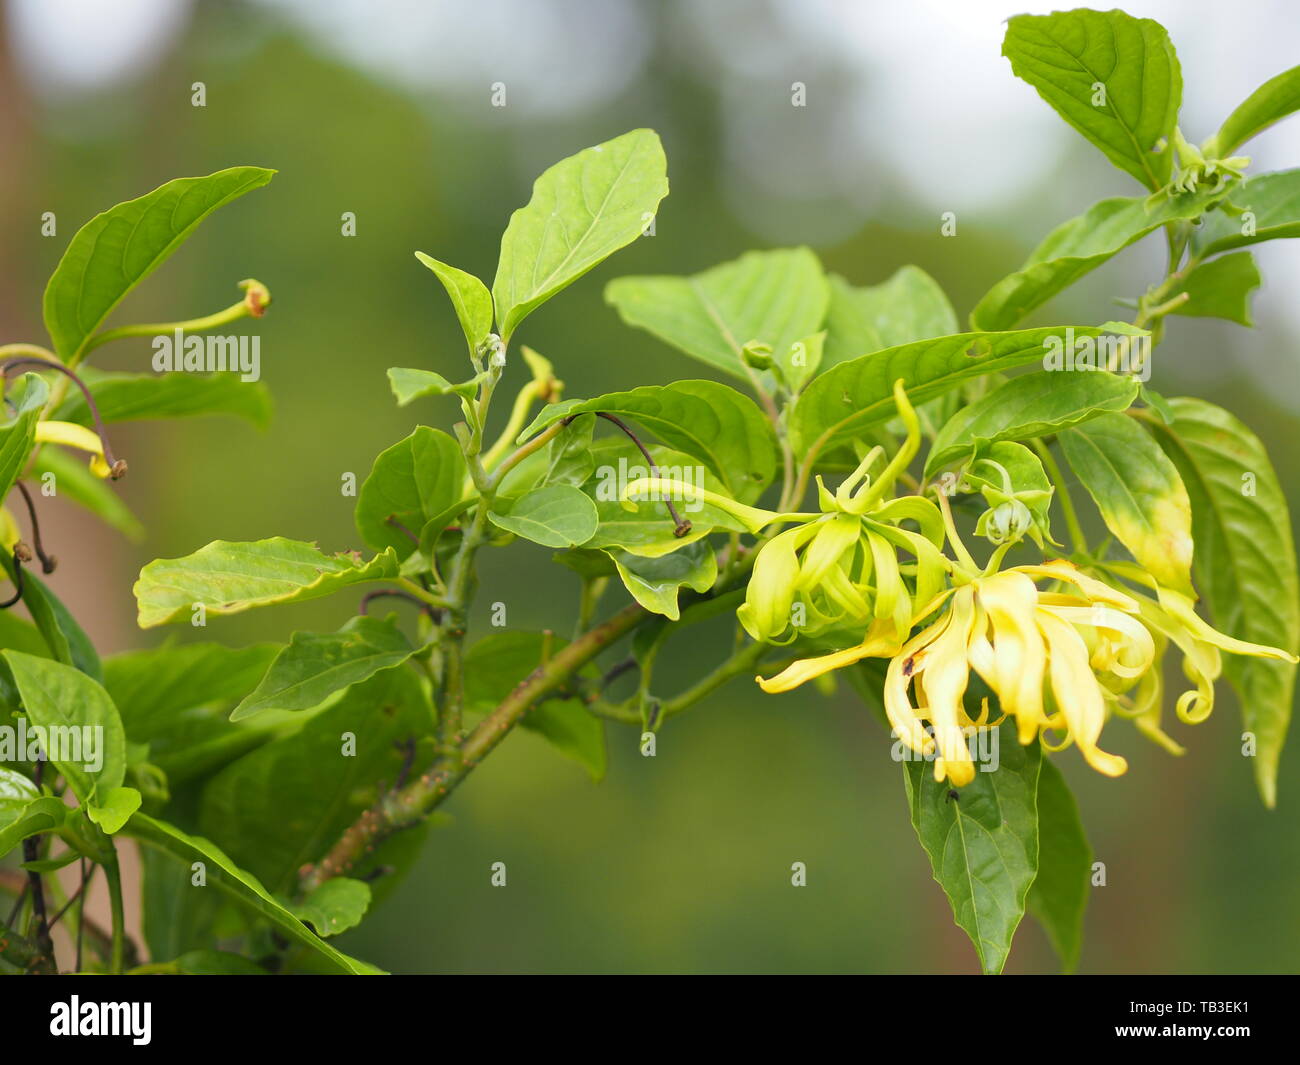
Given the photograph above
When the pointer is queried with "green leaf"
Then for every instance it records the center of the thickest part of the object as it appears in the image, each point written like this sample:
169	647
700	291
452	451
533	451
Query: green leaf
907	307
496	664
18	434
1067	54
316	665
983	846
1264	207
1029	406
335	906
655	582
412	481
30	819
1271	102
1139	493
63	636
568	456
1079	246
773	297
801	360
124	397
856	395
228	577
286	803
90	750
116	250
176	700
113	808
470	298
1245	563
1220	288
243	887
1059	894
583	209
73	480
709	421
409	385
558	515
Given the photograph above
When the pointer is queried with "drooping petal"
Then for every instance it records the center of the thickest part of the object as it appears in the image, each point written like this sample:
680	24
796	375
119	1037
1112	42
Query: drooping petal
1019	655
944	679
770	594
1077	692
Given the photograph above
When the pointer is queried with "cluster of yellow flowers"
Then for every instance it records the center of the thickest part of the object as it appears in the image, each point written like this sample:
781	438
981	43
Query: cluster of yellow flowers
1060	648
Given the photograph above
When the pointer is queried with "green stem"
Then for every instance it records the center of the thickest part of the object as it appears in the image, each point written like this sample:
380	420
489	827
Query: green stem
114	874
408	805
741	662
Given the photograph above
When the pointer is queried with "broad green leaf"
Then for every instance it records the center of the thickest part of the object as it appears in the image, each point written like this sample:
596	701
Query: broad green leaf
65	639
73	480
316	665
1079	246
847	399
227	577
16	791
18	433
801	360
409	385
568	457
125	397
558	515
113	808
86	739
335	906
412	481
1059	894
116	250
245	888
286	803
1220	288
496	664
655	582
1271	102
909	306
583	209
712	422
1029	406
1113	77
1139	493
1245	563
177	699
983	845
178	916
773	297
1264	207
470	298
30	819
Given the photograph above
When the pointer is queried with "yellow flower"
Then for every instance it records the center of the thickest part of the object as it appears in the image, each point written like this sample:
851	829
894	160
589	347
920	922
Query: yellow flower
1027	645
78	436
841	567
1172	617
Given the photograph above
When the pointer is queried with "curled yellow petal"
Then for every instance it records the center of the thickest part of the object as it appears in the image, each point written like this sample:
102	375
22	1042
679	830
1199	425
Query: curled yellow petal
1077	693
78	436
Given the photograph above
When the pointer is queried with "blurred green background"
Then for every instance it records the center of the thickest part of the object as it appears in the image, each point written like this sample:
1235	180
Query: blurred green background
680	862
